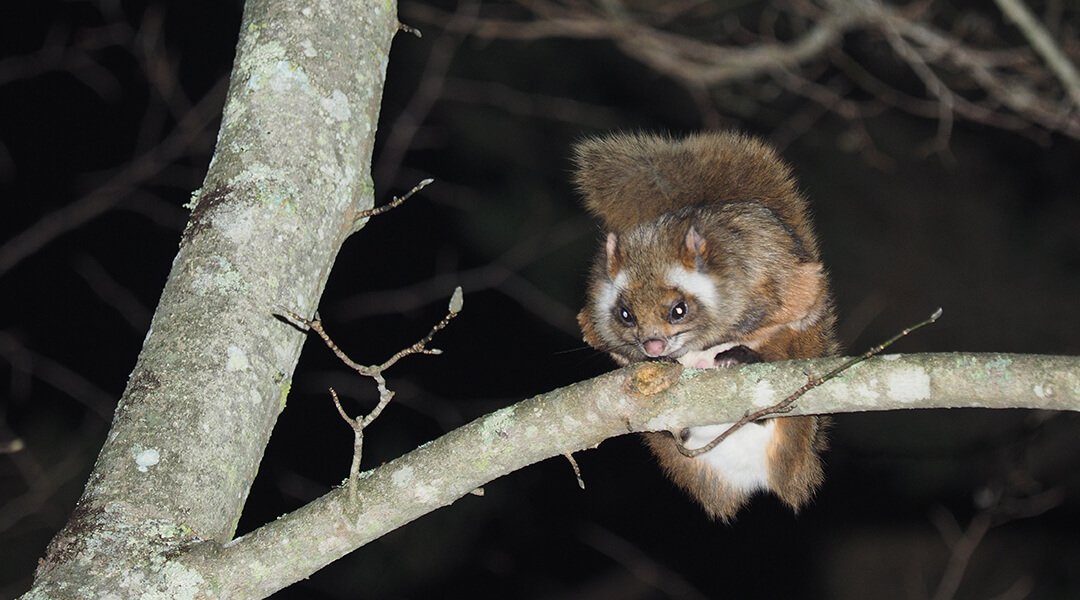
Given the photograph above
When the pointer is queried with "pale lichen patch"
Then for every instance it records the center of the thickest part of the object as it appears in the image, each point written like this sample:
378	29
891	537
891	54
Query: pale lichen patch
425	494
237	360
570	423
216	276
256	59
146	459
999	367
337	106
909	385
496	424
1044	391
403	476
284	76
656	424
999	363
867	392
235	221
273	184
764	394
181	582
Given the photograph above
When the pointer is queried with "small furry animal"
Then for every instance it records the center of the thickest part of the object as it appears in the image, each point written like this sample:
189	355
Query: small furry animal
710	259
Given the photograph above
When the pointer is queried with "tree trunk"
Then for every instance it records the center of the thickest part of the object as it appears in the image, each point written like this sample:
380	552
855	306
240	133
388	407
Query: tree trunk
289	176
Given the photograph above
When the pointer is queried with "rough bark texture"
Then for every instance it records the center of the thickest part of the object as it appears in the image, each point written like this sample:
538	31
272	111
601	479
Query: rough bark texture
643	397
289	176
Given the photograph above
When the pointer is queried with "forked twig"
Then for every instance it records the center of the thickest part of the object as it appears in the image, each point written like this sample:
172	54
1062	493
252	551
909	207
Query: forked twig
375	372
814	381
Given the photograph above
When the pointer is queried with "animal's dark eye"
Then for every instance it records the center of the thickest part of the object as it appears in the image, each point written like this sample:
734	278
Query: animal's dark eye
625	316
678	312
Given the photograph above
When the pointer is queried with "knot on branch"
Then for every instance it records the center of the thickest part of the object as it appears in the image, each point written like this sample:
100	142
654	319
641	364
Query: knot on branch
649	378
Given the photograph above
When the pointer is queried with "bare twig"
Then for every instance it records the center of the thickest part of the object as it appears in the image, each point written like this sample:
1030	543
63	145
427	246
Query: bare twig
375	372
407	29
577	469
638	564
1044	44
502	274
59	376
945	97
189	131
400	136
983	78
814	381
358	445
962	546
963	543
113	293
378	210
12	446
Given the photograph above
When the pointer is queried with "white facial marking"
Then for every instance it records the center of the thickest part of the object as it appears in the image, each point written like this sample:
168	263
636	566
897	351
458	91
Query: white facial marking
696	284
610	293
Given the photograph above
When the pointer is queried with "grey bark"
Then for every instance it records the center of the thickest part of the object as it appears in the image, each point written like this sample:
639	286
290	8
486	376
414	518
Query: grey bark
284	189
645	397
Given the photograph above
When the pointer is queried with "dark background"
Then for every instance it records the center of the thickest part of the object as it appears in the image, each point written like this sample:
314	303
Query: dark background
989	230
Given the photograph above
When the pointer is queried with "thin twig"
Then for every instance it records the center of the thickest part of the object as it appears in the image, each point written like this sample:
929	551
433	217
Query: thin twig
814	381
1044	44
375	371
358	446
962	547
409	29
18	445
378	210
178	143
577	469
962	544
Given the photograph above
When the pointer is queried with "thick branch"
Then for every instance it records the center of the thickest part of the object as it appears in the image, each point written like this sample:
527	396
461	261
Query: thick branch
584	414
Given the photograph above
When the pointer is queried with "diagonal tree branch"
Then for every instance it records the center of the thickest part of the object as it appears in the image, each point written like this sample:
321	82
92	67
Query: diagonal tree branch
643	397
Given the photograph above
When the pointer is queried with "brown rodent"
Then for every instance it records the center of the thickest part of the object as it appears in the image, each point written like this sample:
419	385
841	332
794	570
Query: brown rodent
710	259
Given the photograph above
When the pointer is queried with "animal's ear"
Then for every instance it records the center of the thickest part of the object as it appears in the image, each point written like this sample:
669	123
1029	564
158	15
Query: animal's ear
695	250
802	296
611	248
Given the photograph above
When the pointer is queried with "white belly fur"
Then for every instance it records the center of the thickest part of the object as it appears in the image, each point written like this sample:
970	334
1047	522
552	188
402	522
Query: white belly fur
741	458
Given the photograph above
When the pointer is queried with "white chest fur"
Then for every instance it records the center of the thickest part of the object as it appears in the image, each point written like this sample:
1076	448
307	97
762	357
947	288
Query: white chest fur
741	458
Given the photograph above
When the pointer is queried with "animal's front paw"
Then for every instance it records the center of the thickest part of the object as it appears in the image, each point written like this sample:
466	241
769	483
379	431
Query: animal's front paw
739	355
720	356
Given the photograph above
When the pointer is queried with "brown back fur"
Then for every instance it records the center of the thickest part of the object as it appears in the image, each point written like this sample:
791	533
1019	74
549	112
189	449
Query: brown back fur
614	173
